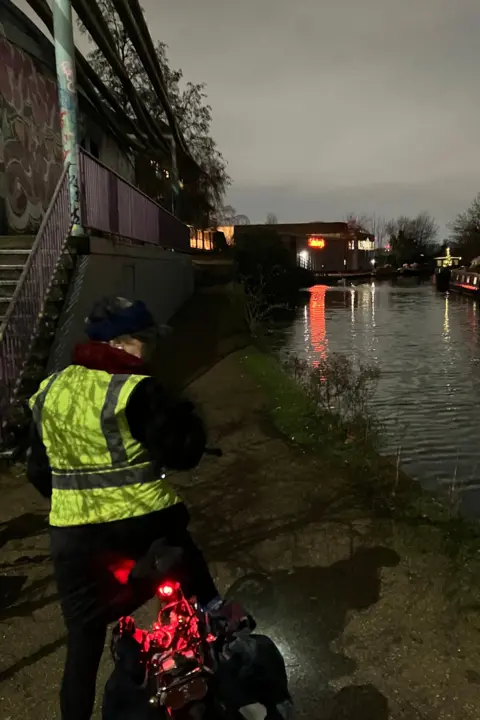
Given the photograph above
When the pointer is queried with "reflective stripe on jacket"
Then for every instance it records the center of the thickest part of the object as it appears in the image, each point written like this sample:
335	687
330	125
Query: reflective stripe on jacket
100	473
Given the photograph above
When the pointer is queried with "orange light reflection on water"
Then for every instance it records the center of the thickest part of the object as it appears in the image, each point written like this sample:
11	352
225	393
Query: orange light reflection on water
318	327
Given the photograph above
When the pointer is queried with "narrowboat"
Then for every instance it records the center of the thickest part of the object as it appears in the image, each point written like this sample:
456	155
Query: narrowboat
465	280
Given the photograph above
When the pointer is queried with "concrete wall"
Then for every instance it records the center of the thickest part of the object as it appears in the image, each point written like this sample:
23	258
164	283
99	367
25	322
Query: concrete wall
163	280
30	140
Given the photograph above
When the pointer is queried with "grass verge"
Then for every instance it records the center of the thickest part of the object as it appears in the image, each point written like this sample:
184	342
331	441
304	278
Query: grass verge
376	483
351	456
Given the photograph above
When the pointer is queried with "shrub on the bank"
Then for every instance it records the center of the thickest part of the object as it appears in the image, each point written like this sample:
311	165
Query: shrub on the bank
341	392
266	266
327	409
252	303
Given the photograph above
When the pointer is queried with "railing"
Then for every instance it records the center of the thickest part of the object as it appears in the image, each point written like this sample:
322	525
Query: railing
108	204
24	313
111	205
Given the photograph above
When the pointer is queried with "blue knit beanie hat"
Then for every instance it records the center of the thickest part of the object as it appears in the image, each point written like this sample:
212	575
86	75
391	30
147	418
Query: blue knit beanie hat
113	317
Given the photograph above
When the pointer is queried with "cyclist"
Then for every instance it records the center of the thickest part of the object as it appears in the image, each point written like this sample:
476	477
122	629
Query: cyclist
102	436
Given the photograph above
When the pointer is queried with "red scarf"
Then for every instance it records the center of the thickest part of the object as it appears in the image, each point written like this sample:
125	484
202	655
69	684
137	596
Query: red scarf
101	356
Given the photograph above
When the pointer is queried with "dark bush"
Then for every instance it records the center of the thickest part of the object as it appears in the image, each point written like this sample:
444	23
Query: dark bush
263	261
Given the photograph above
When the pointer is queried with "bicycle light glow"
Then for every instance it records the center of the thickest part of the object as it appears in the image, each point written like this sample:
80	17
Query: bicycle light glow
168	589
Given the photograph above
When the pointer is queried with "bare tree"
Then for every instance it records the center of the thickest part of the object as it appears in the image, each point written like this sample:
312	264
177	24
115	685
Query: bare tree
271	219
226	215
372	224
358	222
188	100
242	220
412	238
465	231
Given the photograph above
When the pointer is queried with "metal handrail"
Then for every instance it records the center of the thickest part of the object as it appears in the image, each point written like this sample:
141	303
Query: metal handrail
31	255
126	182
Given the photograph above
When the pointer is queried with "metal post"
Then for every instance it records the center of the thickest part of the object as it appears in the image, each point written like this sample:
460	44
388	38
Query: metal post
174	185
67	99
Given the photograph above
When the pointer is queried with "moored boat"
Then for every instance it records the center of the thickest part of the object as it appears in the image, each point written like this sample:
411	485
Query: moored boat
445	266
465	280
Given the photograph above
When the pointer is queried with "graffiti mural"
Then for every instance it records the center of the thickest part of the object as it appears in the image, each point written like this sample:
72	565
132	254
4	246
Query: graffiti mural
30	139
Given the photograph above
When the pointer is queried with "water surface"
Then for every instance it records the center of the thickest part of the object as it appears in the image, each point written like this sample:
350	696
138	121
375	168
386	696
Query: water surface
427	348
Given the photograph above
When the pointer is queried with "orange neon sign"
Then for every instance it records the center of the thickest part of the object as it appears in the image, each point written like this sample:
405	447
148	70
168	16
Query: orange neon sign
316	242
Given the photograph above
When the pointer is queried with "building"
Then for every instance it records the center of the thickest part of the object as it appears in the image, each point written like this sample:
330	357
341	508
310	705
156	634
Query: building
322	247
30	142
201	239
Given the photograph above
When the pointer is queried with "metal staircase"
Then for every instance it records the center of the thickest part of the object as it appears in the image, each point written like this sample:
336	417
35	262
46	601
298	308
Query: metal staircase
14	251
34	278
35	275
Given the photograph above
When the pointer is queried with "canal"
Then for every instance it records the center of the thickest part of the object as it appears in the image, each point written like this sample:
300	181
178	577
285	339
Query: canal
427	348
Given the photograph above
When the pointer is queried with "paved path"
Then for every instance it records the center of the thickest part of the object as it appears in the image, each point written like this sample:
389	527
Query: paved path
372	620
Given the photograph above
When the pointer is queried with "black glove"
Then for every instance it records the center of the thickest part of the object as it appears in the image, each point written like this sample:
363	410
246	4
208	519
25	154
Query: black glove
127	652
185	438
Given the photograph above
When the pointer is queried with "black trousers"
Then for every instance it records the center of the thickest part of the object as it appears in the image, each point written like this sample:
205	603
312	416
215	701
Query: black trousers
91	598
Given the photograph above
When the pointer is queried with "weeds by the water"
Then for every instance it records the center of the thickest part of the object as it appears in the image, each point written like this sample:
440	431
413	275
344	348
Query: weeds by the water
327	409
342	392
338	424
251	301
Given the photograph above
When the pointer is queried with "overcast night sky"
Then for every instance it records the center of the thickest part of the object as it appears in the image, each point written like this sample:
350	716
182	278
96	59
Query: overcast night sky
322	107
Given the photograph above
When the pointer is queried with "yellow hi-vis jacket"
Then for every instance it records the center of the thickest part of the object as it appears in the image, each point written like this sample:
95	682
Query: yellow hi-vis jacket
100	473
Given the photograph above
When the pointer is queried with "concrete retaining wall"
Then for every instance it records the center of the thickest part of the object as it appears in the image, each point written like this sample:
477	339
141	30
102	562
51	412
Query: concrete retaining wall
164	280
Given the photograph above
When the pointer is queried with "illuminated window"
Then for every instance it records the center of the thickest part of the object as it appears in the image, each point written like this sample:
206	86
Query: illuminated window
351	244
366	245
475	279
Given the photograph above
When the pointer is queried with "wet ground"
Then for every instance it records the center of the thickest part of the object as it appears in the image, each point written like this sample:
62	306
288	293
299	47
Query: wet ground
373	618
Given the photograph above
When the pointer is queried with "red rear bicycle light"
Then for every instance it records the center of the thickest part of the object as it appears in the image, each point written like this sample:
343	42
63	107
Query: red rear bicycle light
168	589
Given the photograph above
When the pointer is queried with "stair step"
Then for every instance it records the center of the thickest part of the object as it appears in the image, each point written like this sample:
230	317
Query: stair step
14	257
50	317
7	285
10	272
17	242
4	303
14	251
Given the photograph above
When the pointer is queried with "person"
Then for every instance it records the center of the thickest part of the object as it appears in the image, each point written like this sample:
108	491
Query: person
103	434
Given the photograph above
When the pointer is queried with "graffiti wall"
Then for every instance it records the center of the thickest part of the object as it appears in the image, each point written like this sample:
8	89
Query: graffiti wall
30	142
